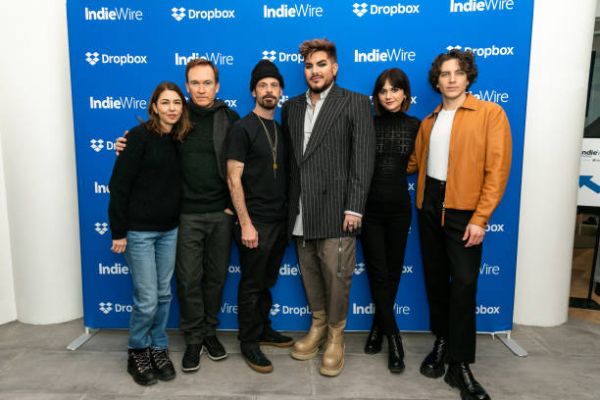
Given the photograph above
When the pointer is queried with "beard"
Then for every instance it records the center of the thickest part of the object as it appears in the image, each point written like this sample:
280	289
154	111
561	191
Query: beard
268	103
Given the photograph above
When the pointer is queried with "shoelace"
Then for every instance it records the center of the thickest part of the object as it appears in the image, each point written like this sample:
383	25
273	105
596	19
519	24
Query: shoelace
142	361
161	358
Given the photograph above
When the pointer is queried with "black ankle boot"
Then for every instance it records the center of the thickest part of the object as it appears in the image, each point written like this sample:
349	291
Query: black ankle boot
395	354
433	365
374	340
459	376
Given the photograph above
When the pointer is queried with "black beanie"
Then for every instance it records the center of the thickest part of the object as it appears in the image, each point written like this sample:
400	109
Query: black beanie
265	69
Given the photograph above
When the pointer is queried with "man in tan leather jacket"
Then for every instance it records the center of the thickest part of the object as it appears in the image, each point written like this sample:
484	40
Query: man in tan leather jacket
463	155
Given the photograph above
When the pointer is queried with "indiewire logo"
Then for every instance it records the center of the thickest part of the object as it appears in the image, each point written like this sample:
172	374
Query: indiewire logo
280	56
216	58
115	14
486	52
293	11
180	13
101	228
492	95
384	55
227	308
361	9
369	309
100	188
105	307
117	103
289	270
115	269
93	57
481	6
487	269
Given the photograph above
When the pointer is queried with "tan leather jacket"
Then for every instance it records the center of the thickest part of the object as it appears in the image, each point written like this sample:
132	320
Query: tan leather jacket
479	160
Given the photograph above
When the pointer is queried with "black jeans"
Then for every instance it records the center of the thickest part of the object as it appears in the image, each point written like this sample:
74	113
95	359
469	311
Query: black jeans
203	248
451	273
384	243
260	269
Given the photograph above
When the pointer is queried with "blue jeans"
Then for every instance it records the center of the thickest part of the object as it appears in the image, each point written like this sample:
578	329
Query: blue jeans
151	259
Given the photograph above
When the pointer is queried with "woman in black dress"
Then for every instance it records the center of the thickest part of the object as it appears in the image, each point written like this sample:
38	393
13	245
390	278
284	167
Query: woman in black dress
388	211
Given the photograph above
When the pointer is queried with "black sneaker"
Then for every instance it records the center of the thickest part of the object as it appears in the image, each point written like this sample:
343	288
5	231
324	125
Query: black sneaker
214	348
191	358
257	360
271	337
140	367
163	367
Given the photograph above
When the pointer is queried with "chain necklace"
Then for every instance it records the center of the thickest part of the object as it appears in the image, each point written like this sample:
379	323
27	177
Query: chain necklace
272	143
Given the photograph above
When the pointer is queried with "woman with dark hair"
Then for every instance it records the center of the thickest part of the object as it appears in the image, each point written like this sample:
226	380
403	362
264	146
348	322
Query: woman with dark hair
388	211
144	215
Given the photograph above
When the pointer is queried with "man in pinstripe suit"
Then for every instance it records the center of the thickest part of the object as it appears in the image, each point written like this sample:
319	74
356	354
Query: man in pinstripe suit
332	158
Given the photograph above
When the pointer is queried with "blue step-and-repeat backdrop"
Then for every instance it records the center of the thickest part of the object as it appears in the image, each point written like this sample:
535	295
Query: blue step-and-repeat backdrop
121	49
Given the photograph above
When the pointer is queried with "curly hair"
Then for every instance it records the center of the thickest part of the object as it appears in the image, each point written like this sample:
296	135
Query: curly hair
466	61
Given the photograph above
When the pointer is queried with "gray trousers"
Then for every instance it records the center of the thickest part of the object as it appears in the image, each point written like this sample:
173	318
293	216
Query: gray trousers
203	248
327	266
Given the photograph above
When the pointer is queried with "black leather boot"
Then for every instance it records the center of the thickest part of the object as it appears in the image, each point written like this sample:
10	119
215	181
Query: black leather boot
395	354
433	365
459	376
374	340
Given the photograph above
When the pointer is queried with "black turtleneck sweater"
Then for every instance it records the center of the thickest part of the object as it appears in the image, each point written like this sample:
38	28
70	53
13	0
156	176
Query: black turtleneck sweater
203	188
395	134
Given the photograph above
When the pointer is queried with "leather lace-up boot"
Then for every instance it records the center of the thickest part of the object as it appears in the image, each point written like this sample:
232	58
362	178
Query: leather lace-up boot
433	365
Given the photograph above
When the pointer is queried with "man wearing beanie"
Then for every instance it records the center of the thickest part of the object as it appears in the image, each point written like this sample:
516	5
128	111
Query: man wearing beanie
257	176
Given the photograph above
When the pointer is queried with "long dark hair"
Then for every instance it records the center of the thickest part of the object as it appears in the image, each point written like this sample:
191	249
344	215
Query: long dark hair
183	126
398	80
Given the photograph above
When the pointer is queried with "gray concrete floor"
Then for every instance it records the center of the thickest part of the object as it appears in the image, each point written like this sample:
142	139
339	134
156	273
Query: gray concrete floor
563	363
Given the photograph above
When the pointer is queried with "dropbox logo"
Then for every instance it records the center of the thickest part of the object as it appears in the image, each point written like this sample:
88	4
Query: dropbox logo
485	52
391	10
359	268
269	55
275	309
101	228
92	58
359	9
178	13
97	145
105	308
282	56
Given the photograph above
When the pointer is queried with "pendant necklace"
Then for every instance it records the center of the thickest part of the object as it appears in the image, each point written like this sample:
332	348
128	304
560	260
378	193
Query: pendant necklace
272	143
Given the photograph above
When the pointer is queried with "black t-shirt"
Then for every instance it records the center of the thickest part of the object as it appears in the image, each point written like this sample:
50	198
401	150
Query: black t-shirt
265	187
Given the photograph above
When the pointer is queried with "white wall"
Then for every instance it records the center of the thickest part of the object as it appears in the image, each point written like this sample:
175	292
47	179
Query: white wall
39	176
8	307
553	132
39	165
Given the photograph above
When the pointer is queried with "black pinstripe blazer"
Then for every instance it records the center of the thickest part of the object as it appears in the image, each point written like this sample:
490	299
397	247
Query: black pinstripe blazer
334	173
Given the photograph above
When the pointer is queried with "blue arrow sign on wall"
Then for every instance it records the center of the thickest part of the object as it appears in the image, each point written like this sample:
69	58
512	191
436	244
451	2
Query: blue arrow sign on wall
586	180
